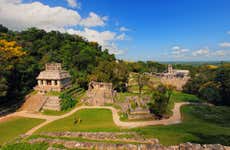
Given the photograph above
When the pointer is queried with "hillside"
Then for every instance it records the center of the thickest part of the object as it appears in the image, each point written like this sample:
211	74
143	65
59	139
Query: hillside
76	54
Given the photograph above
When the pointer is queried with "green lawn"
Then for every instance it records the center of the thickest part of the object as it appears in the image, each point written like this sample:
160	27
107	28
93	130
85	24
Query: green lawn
91	120
183	97
13	127
201	124
25	146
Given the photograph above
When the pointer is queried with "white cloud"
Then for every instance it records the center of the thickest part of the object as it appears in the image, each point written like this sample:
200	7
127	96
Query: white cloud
113	49
73	3
106	38
18	16
94	20
225	44
221	53
201	52
11	1
228	32
175	47
121	36
123	29
178	52
95	36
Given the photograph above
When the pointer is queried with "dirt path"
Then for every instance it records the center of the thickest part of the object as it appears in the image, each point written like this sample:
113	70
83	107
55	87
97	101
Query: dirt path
175	118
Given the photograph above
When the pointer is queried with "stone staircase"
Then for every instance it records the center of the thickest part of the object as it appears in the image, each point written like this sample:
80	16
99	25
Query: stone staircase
34	103
52	103
99	97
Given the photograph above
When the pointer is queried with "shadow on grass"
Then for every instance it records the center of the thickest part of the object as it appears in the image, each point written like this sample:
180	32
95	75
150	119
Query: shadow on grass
211	139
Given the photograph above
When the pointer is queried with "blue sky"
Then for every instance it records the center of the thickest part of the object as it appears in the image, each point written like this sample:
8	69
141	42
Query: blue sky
162	30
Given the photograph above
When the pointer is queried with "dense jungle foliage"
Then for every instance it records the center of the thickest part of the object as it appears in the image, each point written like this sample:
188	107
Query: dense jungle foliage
24	54
211	83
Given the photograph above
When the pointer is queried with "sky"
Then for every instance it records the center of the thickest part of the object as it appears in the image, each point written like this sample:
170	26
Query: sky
157	30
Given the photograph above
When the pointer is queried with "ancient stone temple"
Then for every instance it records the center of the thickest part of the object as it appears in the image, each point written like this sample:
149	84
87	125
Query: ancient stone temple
100	93
53	78
175	77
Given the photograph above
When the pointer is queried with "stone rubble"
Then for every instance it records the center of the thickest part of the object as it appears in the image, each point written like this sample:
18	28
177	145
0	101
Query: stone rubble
109	136
126	146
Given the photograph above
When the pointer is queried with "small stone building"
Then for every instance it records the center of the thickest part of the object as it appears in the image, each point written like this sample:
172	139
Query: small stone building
53	78
100	93
175	77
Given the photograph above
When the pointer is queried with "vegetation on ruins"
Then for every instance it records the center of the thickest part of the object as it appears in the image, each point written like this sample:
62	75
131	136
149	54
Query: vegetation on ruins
141	80
160	100
67	101
69	97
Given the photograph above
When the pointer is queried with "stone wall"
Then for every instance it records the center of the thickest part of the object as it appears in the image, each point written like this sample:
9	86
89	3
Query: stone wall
99	93
71	144
174	81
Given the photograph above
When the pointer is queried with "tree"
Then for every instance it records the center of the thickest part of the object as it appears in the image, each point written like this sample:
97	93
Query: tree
211	83
111	71
141	81
160	100
210	91
223	78
3	29
9	54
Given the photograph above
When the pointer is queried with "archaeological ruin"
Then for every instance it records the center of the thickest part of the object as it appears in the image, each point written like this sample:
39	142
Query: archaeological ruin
53	78
100	93
175	77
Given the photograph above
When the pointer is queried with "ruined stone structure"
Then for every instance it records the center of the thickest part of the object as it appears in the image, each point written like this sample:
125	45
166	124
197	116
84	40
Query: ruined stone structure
175	77
53	78
175	73
140	111
100	93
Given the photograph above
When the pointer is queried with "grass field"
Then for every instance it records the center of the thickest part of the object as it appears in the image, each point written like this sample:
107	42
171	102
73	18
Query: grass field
183	97
91	120
25	146
201	124
13	127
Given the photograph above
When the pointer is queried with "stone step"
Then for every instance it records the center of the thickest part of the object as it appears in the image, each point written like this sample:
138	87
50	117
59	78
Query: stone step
52	108
52	103
33	103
